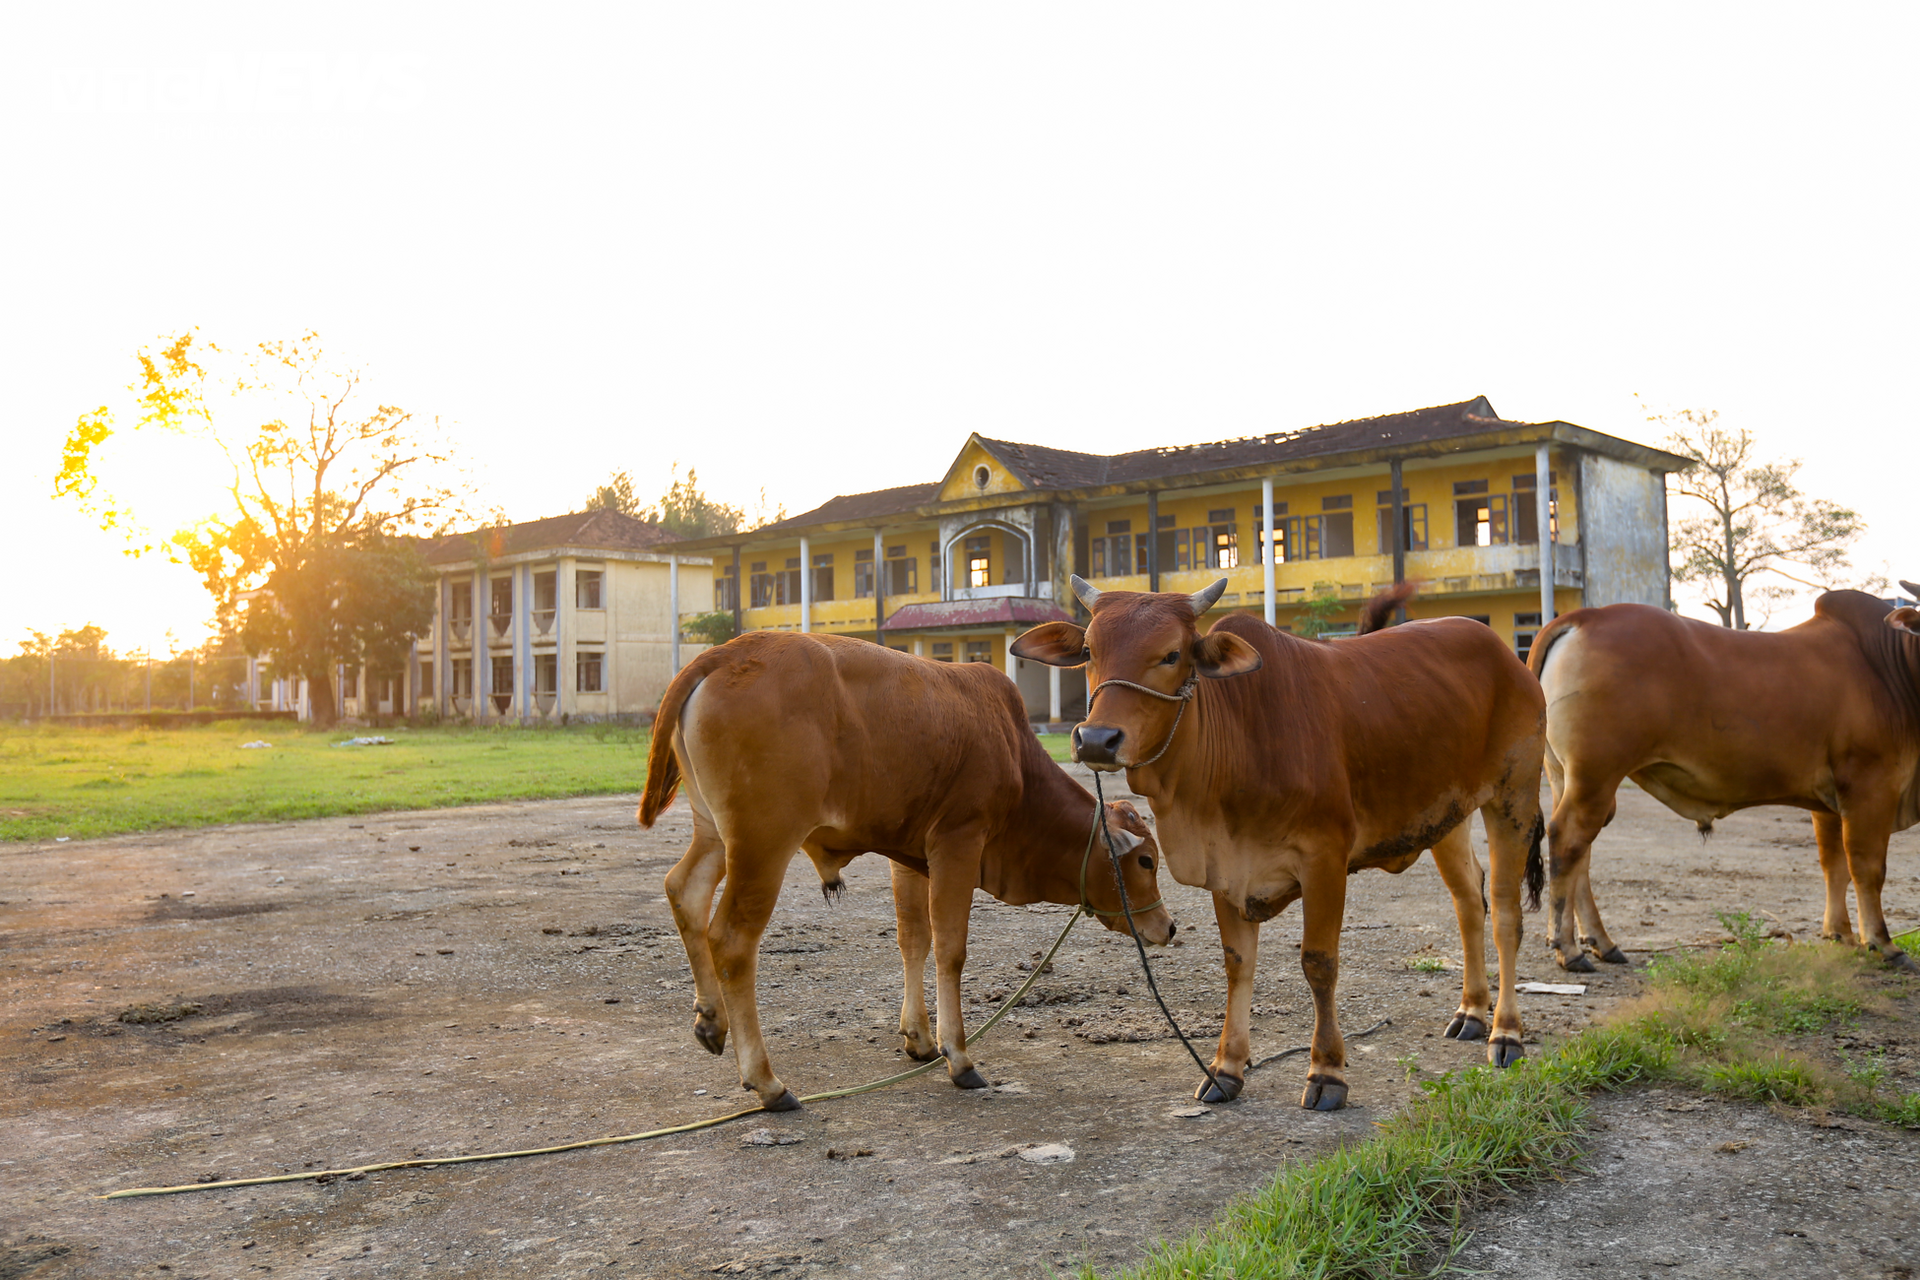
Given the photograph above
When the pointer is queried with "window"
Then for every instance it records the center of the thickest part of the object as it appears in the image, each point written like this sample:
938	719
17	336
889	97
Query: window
863	575
1167	543
823	576
979	562
500	604
1279	534
726	590
1113	555
1322	537
1525	627
462	674
943	651
1215	544
760	585
587	671
902	574
426	680
898	648
586	589
1526	516
545	674
501	690
1413	524
1016	557
1480	521
979	651
936	567
786	585
1338	502
543	591
460	603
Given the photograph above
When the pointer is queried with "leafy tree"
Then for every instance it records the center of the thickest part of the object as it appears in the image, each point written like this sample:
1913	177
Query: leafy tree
1317	611
615	495
686	512
1757	521
711	628
309	559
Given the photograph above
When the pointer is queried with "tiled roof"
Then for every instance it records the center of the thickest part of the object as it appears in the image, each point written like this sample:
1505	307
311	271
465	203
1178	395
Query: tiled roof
995	611
860	506
595	530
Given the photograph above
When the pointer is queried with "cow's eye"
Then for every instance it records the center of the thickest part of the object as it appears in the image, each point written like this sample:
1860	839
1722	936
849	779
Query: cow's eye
1086	654
1172	657
1146	863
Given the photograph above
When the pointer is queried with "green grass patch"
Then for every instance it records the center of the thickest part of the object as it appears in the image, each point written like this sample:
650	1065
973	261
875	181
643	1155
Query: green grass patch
1393	1206
79	782
1057	746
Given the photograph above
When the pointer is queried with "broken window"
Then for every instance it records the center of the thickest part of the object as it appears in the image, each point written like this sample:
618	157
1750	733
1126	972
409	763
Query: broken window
823	576
462	674
546	667
500	604
586	589
1216	544
760	585
501	691
786	585
1413	525
587	671
1526	514
460	603
1279	538
863	575
544	590
726	590
902	573
1480	520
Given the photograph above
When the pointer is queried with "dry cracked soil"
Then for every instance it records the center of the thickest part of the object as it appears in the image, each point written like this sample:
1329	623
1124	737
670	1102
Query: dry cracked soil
246	1001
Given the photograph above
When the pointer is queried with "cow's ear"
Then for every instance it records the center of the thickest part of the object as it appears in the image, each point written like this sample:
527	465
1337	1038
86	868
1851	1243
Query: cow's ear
1128	817
1906	618
1220	654
1058	644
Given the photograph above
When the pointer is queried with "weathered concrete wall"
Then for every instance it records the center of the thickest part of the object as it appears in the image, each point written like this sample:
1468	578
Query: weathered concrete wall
1623	519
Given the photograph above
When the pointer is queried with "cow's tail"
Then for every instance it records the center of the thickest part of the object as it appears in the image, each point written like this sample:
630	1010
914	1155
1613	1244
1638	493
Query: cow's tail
1536	865
1376	613
663	767
1548	636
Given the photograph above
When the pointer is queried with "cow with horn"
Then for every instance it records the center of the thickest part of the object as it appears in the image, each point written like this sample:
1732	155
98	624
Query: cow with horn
1824	716
1277	765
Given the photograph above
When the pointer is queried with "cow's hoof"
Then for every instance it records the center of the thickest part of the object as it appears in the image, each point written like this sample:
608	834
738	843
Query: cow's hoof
1466	1026
1504	1051
785	1102
1222	1088
1902	961
1576	963
970	1079
711	1035
1324	1095
1614	955
916	1051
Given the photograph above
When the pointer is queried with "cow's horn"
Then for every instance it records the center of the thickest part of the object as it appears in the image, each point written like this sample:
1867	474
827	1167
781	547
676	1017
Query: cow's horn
1204	600
1085	592
1913	589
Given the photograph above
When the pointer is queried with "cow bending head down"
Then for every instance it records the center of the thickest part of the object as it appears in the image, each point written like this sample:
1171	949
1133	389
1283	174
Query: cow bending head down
1143	652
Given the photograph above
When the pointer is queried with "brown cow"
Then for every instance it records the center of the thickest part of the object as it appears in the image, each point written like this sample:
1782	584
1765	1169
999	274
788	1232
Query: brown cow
1824	716
842	747
1295	762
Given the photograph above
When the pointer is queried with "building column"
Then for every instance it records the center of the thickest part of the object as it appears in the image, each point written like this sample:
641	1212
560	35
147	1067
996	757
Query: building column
564	602
440	680
1013	663
1153	540
523	642
739	591
879	588
482	646
806	584
1543	523
673	611
1398	532
1053	695
919	647
1266	551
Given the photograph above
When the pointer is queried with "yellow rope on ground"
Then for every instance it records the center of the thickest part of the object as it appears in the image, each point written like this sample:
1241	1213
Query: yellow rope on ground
869	1087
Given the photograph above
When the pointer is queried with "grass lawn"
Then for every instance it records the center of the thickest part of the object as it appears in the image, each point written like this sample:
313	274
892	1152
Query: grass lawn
61	781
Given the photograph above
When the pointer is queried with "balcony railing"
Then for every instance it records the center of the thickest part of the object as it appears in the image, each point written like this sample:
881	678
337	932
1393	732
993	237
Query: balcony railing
461	629
502	623
543	622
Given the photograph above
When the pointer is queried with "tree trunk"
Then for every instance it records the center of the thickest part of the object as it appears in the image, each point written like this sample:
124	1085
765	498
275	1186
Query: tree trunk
1736	617
326	713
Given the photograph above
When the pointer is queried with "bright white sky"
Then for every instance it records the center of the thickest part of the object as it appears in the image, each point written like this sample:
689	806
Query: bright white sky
809	247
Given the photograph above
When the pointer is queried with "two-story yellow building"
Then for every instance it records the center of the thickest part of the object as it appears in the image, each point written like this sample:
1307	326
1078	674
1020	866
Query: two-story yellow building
953	571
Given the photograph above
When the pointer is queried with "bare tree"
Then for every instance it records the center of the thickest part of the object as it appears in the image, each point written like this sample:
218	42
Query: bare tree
1757	521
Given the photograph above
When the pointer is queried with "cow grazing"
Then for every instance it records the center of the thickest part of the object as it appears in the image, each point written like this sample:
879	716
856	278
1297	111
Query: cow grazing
1824	716
1278	765
841	747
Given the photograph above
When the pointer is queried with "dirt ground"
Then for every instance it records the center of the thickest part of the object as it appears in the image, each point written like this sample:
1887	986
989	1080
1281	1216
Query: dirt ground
343	991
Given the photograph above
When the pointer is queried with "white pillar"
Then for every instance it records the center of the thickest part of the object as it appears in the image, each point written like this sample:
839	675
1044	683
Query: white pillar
1543	521
1053	695
919	647
673	608
1013	663
1266	551
806	584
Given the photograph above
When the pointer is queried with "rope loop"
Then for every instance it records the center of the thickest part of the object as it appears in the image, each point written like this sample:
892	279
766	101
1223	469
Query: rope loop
1183	696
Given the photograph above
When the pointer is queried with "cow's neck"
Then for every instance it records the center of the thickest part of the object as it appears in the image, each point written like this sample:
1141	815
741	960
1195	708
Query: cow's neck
1038	855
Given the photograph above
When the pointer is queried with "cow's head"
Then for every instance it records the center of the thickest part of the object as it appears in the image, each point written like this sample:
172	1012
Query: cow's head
1906	618
1145	639
1139	855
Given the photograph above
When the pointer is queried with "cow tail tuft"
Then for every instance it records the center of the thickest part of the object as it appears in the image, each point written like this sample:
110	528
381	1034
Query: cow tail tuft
1375	613
1536	865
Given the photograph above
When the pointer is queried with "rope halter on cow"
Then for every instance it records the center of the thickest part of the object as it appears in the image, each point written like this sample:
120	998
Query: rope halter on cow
1183	695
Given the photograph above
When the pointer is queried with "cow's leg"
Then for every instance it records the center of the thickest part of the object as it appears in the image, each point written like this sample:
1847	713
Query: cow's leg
915	935
1593	934
953	869
1240	947
1323	894
1513	839
1834	922
690	888
753	886
1460	871
1865	835
1578	814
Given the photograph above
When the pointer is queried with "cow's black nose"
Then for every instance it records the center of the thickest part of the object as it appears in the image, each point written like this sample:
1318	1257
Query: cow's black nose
1172	929
1097	744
